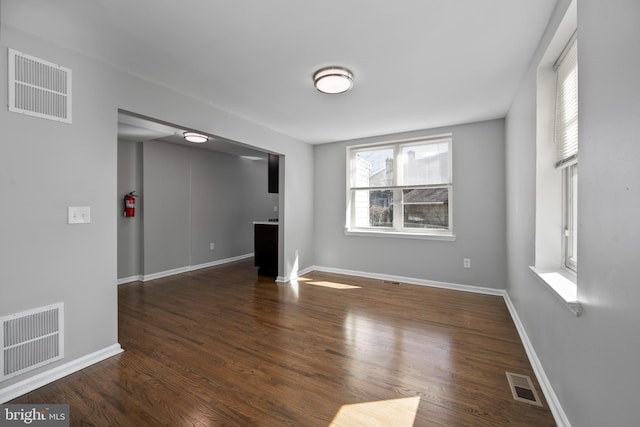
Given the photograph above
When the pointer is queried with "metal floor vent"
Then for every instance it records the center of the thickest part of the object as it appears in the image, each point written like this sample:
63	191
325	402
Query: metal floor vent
39	88
31	339
522	389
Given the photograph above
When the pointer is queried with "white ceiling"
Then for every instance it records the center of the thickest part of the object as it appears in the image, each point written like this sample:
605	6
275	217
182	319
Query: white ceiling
417	63
134	128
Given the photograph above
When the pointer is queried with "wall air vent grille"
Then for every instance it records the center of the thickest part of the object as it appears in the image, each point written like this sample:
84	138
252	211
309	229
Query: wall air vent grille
39	88
31	339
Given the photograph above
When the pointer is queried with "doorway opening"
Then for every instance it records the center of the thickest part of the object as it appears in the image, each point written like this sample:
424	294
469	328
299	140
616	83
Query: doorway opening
196	203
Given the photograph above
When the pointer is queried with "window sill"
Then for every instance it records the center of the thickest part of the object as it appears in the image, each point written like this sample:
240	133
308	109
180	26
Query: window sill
563	285
390	234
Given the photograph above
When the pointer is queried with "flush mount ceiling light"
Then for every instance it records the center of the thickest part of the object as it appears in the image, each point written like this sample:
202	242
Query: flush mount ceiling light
333	80
195	137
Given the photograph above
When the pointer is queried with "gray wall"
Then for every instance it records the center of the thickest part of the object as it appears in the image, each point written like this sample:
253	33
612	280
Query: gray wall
129	229
167	206
42	259
478	215
591	361
194	197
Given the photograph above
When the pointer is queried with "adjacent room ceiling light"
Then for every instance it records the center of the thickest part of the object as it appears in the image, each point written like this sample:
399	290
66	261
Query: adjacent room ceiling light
195	137
333	80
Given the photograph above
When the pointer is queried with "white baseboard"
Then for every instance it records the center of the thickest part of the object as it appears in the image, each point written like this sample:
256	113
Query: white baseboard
137	278
304	271
29	384
552	400
220	262
166	273
180	270
285	279
413	281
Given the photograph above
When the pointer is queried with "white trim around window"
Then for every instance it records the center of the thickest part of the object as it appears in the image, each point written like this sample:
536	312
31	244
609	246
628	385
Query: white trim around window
401	188
555	262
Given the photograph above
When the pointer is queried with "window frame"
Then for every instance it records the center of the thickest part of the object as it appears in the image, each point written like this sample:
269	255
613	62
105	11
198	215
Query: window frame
570	217
566	139
398	228
550	207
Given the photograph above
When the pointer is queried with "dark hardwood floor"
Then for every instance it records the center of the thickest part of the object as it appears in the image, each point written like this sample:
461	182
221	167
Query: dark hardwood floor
222	346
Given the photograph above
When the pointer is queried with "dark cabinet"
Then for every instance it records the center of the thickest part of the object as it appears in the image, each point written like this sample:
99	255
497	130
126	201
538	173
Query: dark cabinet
273	174
266	249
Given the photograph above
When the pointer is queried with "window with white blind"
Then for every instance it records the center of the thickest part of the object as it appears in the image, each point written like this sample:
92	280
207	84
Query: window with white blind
566	120
556	207
566	140
401	188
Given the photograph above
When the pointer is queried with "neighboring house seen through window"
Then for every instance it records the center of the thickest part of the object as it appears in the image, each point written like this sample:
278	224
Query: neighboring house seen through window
401	187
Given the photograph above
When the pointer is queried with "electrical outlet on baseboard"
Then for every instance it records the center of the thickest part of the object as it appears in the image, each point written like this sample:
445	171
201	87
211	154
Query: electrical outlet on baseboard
467	263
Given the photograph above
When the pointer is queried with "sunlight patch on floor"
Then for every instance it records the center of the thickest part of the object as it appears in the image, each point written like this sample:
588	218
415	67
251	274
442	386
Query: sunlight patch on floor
324	283
332	285
383	413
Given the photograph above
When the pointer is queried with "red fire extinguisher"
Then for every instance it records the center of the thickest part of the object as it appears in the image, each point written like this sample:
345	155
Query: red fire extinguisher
130	204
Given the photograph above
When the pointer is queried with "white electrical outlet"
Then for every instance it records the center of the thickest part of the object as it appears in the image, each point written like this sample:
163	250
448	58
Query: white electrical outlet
211	246
467	263
78	215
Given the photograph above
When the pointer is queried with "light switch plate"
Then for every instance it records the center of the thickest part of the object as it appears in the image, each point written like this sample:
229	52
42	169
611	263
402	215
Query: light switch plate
79	215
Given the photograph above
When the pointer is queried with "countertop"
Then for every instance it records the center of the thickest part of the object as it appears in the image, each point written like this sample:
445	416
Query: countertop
265	222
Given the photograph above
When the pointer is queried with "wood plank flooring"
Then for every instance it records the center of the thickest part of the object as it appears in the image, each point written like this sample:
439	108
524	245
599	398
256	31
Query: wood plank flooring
223	346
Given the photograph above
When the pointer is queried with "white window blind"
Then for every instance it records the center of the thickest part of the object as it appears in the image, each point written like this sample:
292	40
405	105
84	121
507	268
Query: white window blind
566	121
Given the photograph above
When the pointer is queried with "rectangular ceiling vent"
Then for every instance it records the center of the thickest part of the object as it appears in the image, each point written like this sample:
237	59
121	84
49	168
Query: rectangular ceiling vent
39	88
31	339
522	389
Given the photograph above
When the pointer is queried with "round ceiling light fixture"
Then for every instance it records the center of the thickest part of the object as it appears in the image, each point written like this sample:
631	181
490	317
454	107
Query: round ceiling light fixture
333	80
194	137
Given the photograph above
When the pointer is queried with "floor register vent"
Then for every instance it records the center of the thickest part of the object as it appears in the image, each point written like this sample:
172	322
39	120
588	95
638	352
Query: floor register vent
31	339
39	88
522	389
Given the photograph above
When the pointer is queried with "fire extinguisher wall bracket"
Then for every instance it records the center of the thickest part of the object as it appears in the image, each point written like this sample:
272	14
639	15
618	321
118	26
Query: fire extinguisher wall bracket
130	204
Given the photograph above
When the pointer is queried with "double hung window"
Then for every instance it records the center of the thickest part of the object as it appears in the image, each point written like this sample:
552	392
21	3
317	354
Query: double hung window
401	187
566	139
556	226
